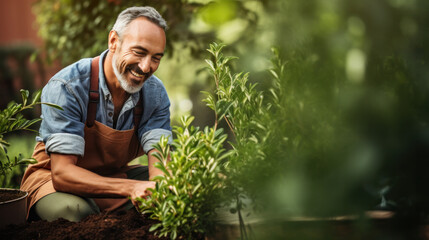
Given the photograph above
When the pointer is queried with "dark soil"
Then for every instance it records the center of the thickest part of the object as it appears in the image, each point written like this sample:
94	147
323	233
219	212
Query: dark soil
119	225
7	195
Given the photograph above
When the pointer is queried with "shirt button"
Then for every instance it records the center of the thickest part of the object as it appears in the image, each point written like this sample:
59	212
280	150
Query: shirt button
110	114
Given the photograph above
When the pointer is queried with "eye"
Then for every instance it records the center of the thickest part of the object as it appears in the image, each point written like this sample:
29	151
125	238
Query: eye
139	53
156	59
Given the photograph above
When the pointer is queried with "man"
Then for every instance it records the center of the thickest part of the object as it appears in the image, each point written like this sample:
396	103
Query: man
83	151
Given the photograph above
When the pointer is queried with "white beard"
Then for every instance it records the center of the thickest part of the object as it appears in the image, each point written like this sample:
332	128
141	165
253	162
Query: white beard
123	81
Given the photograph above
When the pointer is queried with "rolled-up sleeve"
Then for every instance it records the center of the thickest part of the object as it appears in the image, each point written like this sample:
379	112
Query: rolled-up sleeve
62	131
152	137
65	143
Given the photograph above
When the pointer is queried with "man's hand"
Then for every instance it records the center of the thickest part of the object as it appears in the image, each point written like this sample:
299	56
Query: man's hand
141	190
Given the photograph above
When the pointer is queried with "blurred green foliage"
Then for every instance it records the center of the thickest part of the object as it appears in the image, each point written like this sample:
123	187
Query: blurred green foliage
219	12
76	29
351	132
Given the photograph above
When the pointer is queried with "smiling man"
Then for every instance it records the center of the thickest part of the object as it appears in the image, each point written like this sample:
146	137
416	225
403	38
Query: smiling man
115	109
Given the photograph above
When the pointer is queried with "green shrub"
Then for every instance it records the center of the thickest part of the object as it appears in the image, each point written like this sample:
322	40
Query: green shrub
11	120
202	175
185	198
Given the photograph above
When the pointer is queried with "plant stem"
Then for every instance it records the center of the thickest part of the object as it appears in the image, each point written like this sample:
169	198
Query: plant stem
243	233
230	126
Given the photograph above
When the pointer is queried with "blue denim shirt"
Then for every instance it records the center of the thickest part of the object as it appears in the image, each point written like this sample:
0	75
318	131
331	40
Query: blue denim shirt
63	131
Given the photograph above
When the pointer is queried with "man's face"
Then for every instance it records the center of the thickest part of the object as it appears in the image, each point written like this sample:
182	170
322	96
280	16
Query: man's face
138	53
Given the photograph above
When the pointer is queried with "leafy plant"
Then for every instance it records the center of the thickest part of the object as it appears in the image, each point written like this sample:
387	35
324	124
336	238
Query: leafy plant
241	105
185	198
258	122
245	109
11	120
202	189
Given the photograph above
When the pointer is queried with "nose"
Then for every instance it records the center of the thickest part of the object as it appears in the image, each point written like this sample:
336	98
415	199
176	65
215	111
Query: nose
144	64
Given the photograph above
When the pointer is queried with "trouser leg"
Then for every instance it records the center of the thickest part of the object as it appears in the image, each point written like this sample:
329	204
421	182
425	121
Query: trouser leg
64	205
139	173
74	208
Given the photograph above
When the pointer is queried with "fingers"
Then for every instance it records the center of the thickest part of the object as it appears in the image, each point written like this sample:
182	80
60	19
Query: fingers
141	190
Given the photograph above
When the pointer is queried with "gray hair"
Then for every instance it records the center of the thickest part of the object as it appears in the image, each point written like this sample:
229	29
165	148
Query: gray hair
129	14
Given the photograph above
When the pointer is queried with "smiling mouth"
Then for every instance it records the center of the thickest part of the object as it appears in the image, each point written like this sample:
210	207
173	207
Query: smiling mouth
136	74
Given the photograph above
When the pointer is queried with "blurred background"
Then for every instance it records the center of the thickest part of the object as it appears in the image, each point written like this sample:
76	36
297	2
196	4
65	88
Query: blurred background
353	131
20	67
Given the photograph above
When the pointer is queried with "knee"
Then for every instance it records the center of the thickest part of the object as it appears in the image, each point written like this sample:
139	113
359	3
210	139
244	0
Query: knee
72	208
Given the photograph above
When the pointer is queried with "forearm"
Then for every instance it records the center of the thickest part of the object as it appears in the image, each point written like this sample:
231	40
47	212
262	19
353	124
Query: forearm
68	177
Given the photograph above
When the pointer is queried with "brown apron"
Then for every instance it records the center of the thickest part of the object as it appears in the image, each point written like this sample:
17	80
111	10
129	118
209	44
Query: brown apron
107	153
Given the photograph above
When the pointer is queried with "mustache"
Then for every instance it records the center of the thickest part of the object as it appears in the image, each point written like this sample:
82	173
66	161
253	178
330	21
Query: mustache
137	69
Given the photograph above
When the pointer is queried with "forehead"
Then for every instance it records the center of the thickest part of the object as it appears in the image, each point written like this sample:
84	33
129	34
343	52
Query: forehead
144	33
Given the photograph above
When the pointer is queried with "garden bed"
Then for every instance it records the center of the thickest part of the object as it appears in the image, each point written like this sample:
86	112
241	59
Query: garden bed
131	225
118	225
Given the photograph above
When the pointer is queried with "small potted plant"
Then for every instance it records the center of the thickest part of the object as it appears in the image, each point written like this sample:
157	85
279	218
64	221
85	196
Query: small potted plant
13	201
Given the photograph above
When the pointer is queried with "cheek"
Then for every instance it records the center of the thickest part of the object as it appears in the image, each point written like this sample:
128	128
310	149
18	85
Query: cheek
155	67
123	61
122	65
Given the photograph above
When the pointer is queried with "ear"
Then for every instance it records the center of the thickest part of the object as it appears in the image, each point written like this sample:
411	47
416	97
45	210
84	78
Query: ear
113	41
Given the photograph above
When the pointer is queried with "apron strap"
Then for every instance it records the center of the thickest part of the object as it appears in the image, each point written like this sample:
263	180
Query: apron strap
138	112
94	98
94	95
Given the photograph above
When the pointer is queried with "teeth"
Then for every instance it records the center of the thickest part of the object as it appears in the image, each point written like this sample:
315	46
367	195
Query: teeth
136	74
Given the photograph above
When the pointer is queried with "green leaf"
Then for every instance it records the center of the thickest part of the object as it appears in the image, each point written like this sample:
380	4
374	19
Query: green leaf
158	178
52	105
157	155
154	227
31	122
161	166
174	234
24	95
27	161
210	63
36	97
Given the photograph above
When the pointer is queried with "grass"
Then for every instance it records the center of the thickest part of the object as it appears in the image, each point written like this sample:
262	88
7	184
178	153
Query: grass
140	160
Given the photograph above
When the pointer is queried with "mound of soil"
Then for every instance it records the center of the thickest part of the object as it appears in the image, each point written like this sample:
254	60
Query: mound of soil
118	225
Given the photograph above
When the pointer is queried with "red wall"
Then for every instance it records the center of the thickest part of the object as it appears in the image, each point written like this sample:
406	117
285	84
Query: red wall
17	22
17	27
